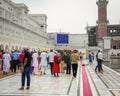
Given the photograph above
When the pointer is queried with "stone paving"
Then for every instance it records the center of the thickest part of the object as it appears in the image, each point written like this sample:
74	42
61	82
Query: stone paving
110	79
102	84
41	85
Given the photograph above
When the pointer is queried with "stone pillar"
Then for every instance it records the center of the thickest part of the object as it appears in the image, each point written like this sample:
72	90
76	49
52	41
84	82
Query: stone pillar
102	21
107	42
101	43
106	48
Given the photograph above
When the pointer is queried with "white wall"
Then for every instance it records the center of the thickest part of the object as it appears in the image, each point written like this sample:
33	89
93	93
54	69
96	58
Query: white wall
20	30
78	40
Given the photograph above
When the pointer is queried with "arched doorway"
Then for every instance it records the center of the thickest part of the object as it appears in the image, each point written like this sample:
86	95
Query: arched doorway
16	48
12	48
1	47
6	48
20	49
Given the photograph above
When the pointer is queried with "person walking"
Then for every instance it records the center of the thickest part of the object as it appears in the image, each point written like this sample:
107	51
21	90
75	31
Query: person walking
100	60
96	68
35	62
62	63
15	58
26	69
68	62
90	58
56	65
74	61
6	63
51	55
21	57
43	61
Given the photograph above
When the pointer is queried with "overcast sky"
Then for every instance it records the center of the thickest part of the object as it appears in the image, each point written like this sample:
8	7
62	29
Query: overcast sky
71	15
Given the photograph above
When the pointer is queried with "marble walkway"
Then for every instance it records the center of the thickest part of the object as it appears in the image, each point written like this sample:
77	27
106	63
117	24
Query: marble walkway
101	84
41	85
106	83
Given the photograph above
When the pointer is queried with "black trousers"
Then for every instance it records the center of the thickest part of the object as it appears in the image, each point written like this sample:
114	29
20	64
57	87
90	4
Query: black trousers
51	66
15	62
99	65
74	69
68	68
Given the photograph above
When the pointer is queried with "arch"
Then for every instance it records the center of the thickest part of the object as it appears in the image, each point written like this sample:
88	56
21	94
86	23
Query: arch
6	48
16	47
1	47
38	49
12	48
20	49
32	49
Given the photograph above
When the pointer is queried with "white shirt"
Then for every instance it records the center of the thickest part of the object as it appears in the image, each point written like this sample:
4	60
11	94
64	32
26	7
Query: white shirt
43	57
51	56
100	56
35	59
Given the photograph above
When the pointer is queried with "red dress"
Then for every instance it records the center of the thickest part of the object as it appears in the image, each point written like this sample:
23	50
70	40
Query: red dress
56	66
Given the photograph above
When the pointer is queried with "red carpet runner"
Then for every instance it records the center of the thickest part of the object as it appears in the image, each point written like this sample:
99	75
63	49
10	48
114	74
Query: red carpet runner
86	85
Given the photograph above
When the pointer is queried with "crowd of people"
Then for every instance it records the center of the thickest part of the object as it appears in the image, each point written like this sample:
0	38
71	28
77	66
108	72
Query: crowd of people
60	61
34	63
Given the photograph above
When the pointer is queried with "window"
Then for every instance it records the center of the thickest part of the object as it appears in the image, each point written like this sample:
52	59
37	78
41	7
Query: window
114	30
114	47
111	31
41	26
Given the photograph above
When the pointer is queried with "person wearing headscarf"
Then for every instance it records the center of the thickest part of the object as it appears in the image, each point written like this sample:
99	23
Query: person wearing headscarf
56	65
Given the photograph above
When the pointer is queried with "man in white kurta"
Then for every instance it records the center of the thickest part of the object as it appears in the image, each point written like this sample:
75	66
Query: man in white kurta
35	62
6	63
43	62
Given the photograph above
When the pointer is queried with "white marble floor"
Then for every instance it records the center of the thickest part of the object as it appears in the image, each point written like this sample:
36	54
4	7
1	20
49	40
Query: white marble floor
41	85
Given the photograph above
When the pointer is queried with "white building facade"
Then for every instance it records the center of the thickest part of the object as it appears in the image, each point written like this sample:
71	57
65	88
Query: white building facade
19	29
